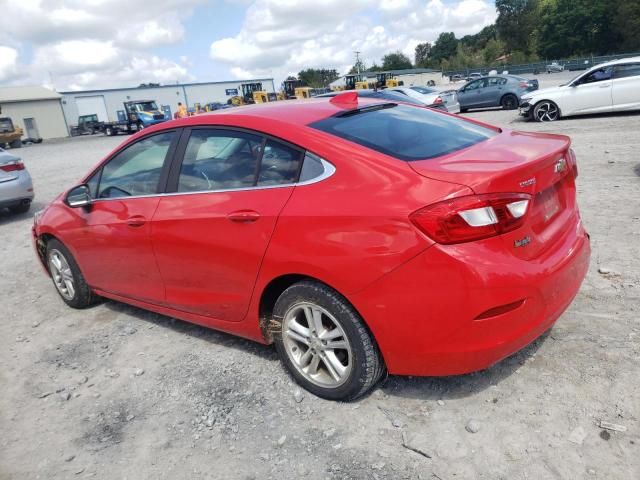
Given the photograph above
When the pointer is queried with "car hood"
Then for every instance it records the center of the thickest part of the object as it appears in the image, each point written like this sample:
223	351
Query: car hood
546	91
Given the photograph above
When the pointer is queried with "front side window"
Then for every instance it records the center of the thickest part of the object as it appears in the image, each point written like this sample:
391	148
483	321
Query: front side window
405	132
135	170
475	85
627	70
597	75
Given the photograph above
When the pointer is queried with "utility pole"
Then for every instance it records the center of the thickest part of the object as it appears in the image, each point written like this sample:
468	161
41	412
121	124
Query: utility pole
357	61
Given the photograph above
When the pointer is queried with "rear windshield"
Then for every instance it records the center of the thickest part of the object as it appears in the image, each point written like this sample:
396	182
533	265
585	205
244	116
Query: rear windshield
405	132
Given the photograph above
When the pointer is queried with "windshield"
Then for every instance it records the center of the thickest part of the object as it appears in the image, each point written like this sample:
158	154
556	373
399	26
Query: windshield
405	132
6	125
145	106
424	90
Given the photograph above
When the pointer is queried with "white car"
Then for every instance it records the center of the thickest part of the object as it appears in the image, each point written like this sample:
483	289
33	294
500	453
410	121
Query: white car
431	96
608	87
16	189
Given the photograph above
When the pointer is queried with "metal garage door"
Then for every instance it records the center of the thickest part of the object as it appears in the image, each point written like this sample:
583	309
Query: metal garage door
92	105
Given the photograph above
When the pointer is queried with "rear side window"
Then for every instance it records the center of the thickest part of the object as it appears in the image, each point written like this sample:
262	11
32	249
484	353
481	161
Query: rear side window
627	70
280	164
405	132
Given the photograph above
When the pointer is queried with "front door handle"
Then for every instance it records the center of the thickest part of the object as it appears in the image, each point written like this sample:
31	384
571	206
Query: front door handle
136	221
244	216
605	85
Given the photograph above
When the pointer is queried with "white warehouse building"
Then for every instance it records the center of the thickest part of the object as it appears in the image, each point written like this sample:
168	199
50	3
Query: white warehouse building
109	102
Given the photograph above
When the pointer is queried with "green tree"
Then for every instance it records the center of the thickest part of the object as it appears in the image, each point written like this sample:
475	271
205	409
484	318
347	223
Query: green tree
359	66
493	50
445	46
422	54
626	21
516	20
318	77
569	27
396	61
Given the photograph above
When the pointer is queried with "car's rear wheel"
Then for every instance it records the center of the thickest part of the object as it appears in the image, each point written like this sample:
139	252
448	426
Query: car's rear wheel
509	102
22	208
16	143
546	111
67	277
324	343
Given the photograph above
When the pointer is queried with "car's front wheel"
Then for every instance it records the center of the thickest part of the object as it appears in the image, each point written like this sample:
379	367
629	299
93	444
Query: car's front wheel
324	343
67	277
546	111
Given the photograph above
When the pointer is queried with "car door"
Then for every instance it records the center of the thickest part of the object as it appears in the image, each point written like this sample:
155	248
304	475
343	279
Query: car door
589	94
211	233
491	93
470	95
114	245
626	86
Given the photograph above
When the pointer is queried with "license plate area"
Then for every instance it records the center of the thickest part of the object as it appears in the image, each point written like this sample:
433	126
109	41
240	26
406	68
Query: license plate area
546	206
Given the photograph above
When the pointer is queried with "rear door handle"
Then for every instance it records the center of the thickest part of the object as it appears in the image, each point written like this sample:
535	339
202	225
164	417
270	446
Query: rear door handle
605	86
136	221
244	216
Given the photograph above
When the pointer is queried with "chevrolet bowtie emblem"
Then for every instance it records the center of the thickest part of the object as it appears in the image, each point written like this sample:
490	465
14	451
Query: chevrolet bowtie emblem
560	166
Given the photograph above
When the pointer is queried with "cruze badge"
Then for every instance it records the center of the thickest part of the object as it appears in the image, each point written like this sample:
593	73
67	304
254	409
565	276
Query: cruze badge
560	166
522	242
528	183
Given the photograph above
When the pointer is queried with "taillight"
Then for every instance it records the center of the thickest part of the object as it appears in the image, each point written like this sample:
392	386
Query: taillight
573	162
437	101
474	217
524	84
12	166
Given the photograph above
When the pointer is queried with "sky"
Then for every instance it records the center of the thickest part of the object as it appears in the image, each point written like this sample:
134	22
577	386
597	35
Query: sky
90	44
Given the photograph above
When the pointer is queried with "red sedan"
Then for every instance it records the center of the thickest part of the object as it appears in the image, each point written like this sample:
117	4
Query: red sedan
357	236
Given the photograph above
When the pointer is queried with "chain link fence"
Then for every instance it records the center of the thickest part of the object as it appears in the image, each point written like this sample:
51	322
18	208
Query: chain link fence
576	63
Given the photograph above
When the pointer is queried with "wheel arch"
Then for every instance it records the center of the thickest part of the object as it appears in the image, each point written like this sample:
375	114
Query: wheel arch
272	291
41	247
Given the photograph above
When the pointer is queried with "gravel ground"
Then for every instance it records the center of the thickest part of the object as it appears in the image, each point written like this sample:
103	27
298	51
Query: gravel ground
117	392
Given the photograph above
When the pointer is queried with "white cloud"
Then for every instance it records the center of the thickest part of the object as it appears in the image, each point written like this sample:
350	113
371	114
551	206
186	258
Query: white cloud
93	43
8	63
281	37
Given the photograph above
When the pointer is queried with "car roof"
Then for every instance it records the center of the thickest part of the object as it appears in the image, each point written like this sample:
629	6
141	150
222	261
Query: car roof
617	61
293	112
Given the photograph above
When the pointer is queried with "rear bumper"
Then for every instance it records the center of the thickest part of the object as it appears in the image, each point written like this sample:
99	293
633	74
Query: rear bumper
16	191
424	314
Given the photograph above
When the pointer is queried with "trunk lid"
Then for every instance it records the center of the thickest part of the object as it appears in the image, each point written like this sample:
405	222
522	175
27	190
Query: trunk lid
537	164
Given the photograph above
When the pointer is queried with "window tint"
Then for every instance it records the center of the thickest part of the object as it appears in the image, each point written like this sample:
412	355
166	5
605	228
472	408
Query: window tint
475	85
219	160
136	170
597	75
494	81
311	167
405	132
280	164
627	70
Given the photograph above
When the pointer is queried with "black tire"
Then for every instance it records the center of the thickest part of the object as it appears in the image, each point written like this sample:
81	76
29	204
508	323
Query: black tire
22	208
552	111
16	143
463	110
367	365
109	132
83	297
509	102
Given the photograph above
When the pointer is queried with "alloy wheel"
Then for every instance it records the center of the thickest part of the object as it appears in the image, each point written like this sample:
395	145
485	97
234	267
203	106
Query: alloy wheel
317	345
61	274
546	112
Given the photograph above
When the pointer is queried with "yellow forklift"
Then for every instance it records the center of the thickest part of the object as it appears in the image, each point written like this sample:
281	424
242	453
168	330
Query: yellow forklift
289	88
303	92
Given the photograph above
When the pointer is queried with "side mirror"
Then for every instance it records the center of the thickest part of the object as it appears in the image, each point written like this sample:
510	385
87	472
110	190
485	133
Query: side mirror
79	196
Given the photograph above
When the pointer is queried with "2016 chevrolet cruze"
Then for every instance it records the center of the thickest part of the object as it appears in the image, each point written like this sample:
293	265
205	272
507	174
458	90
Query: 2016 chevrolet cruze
357	236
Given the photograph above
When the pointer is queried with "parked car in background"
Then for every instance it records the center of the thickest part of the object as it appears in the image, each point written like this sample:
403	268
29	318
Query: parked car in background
609	87
431	96
87	124
16	188
387	94
456	78
555	67
496	91
360	236
474	76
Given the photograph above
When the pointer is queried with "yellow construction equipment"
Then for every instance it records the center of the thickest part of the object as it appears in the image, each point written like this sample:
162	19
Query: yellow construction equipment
387	80
303	92
260	97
